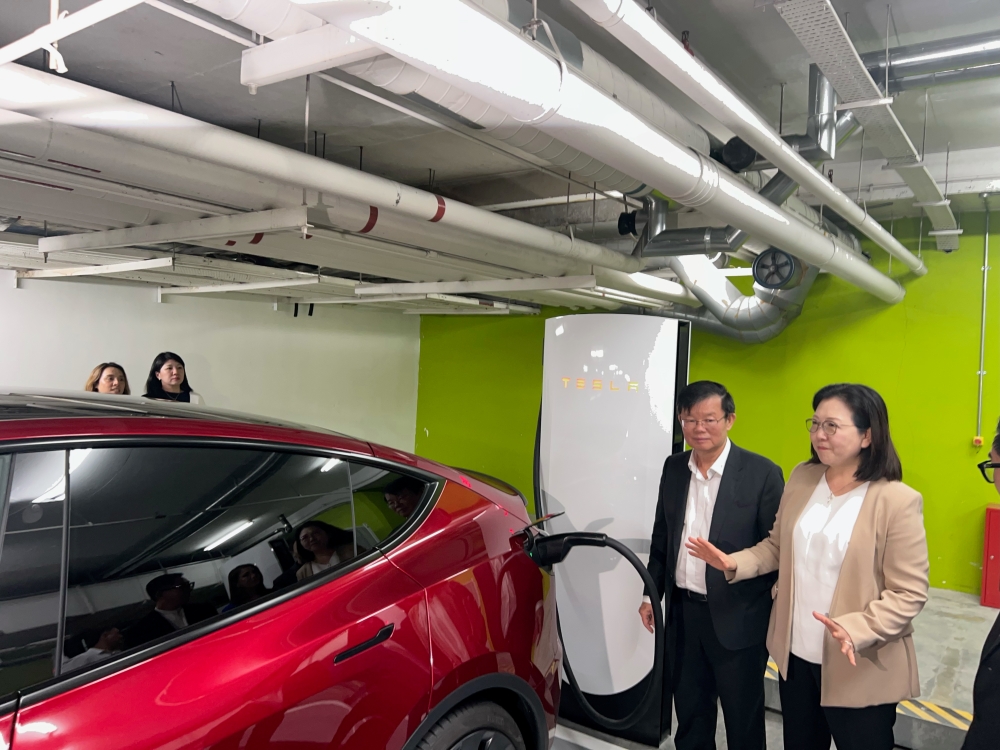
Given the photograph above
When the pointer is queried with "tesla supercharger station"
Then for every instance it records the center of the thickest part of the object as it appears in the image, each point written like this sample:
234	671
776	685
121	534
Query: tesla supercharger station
607	425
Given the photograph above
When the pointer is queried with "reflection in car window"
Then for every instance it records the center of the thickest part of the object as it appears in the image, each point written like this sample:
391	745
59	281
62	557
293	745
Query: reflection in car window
160	539
30	554
384	500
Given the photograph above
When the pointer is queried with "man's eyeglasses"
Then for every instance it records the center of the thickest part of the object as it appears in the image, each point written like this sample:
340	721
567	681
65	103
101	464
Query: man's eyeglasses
986	468
691	424
829	427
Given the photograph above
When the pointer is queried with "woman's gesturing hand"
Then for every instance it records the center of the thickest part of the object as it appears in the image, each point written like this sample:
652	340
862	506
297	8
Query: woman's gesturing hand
712	555
846	644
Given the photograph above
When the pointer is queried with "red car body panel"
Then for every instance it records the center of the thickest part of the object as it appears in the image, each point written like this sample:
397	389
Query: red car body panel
6	727
463	600
267	680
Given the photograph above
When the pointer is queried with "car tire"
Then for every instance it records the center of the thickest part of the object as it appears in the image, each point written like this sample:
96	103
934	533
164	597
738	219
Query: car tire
473	727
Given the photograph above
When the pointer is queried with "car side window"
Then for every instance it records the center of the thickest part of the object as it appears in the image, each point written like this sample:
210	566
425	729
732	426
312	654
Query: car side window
159	539
384	500
32	489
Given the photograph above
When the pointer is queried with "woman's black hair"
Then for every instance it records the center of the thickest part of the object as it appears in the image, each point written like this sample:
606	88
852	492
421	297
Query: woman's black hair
238	595
996	440
868	412
334	538
154	388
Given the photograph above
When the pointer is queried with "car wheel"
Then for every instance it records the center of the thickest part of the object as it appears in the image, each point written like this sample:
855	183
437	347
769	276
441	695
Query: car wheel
481	726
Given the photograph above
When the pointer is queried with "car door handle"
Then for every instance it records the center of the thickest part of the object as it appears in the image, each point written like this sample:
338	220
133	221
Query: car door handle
379	637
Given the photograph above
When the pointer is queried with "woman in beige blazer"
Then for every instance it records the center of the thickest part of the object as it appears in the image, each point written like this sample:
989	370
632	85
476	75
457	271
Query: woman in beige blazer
849	547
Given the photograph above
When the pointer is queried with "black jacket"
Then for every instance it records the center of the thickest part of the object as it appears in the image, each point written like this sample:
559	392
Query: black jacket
154	625
748	499
984	734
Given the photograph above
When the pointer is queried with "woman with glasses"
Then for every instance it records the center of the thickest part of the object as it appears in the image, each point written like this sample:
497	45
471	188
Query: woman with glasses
985	727
851	554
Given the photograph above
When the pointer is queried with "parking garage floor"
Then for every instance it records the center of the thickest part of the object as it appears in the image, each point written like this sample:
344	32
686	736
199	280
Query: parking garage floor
949	636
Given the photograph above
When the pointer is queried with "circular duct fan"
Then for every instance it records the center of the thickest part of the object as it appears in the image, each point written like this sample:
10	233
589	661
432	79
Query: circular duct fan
774	268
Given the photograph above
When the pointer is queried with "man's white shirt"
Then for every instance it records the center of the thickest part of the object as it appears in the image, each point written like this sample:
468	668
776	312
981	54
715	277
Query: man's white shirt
703	491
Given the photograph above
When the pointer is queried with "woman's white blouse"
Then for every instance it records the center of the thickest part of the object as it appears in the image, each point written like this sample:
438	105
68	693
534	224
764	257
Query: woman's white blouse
820	544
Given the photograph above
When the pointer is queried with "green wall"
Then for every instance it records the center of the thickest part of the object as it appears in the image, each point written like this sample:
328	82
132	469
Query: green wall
480	386
479	392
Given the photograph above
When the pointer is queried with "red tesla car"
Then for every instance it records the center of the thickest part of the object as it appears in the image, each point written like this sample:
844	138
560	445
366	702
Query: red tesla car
175	577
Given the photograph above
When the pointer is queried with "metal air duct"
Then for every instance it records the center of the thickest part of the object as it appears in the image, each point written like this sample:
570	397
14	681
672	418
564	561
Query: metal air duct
505	70
639	31
937	62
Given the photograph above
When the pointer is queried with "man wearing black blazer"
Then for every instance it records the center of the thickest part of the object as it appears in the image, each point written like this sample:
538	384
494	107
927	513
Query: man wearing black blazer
984	733
715	630
171	596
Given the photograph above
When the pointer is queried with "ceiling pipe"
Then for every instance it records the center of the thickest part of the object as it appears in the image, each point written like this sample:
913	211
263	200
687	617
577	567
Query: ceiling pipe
402	79
641	33
944	78
462	46
778	189
789	301
274	19
914	65
533	87
59	100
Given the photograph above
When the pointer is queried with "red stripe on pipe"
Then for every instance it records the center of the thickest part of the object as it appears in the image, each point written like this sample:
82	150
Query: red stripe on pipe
75	166
440	212
257	238
36	182
230	243
15	153
372	218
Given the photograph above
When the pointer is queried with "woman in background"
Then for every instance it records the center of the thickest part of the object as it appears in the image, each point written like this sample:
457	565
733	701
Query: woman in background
108	377
246	584
168	381
322	546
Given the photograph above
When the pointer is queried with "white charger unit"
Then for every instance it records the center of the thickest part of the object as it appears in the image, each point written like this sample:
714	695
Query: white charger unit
607	426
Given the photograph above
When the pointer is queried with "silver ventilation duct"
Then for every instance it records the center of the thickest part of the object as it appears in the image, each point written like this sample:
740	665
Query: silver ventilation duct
938	62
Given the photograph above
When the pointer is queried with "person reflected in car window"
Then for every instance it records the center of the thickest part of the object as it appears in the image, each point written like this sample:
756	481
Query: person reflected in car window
101	645
321	546
246	583
108	377
171	596
403	494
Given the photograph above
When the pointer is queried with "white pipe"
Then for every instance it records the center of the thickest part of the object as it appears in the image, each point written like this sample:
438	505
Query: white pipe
403	79
46	35
640	32
646	285
40	95
273	19
460	45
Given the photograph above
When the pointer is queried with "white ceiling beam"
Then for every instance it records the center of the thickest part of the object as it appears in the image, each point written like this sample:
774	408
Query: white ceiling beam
366	300
297	55
59	273
488	311
548	283
231	225
44	36
250	287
